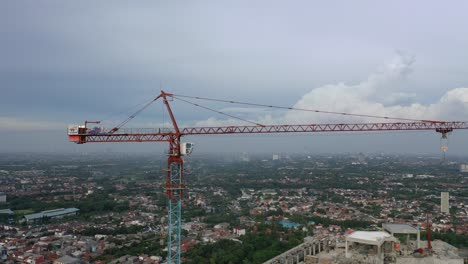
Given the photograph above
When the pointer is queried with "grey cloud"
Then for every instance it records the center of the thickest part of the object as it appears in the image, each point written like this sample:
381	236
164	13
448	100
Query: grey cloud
67	61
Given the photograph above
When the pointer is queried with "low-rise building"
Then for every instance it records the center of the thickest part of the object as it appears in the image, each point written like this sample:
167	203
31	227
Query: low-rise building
238	231
67	260
7	216
50	214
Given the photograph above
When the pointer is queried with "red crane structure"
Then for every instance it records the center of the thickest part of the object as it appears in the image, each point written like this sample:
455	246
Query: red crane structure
174	185
428	233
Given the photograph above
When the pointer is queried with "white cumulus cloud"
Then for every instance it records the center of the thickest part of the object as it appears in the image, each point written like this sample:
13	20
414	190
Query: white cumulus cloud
378	95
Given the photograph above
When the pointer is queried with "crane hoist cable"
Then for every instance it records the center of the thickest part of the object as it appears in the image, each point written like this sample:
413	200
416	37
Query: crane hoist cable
219	112
444	145
304	109
132	116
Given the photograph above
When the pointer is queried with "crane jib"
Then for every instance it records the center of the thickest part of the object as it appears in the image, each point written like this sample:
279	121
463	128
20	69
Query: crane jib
85	135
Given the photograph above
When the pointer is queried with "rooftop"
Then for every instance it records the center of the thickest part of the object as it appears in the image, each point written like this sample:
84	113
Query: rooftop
400	229
51	213
369	237
6	211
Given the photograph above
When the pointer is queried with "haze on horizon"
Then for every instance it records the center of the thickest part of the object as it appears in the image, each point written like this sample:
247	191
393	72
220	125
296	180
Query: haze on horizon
66	62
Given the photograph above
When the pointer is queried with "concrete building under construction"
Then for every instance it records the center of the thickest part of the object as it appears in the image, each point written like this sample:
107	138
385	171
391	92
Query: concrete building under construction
395	243
444	202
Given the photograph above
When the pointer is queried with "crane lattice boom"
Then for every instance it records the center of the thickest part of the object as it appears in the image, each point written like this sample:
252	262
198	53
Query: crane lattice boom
158	135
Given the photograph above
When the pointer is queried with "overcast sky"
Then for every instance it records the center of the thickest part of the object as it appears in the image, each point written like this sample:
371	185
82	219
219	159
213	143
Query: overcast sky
63	62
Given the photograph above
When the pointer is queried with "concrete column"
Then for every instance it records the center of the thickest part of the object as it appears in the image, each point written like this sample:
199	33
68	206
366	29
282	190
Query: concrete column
319	246
313	247
297	257
378	251
419	239
346	249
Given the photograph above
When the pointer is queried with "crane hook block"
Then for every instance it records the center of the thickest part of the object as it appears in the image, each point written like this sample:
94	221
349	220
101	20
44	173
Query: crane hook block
444	131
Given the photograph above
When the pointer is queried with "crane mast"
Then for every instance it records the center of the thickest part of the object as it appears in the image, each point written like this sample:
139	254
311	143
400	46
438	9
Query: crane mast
174	186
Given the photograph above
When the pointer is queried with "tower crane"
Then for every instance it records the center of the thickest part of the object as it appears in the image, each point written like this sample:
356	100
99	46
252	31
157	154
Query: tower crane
174	186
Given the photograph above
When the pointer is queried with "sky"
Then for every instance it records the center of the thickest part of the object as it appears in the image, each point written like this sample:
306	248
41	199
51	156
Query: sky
63	62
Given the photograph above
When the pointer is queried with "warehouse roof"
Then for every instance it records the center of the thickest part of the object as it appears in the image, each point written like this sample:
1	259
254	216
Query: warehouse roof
6	211
51	213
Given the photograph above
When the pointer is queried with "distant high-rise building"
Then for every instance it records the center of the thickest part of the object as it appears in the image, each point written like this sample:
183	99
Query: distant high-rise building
444	202
463	167
276	157
2	197
245	157
361	158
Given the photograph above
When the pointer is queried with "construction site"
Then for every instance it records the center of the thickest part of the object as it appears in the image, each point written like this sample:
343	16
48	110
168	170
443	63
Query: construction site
371	247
